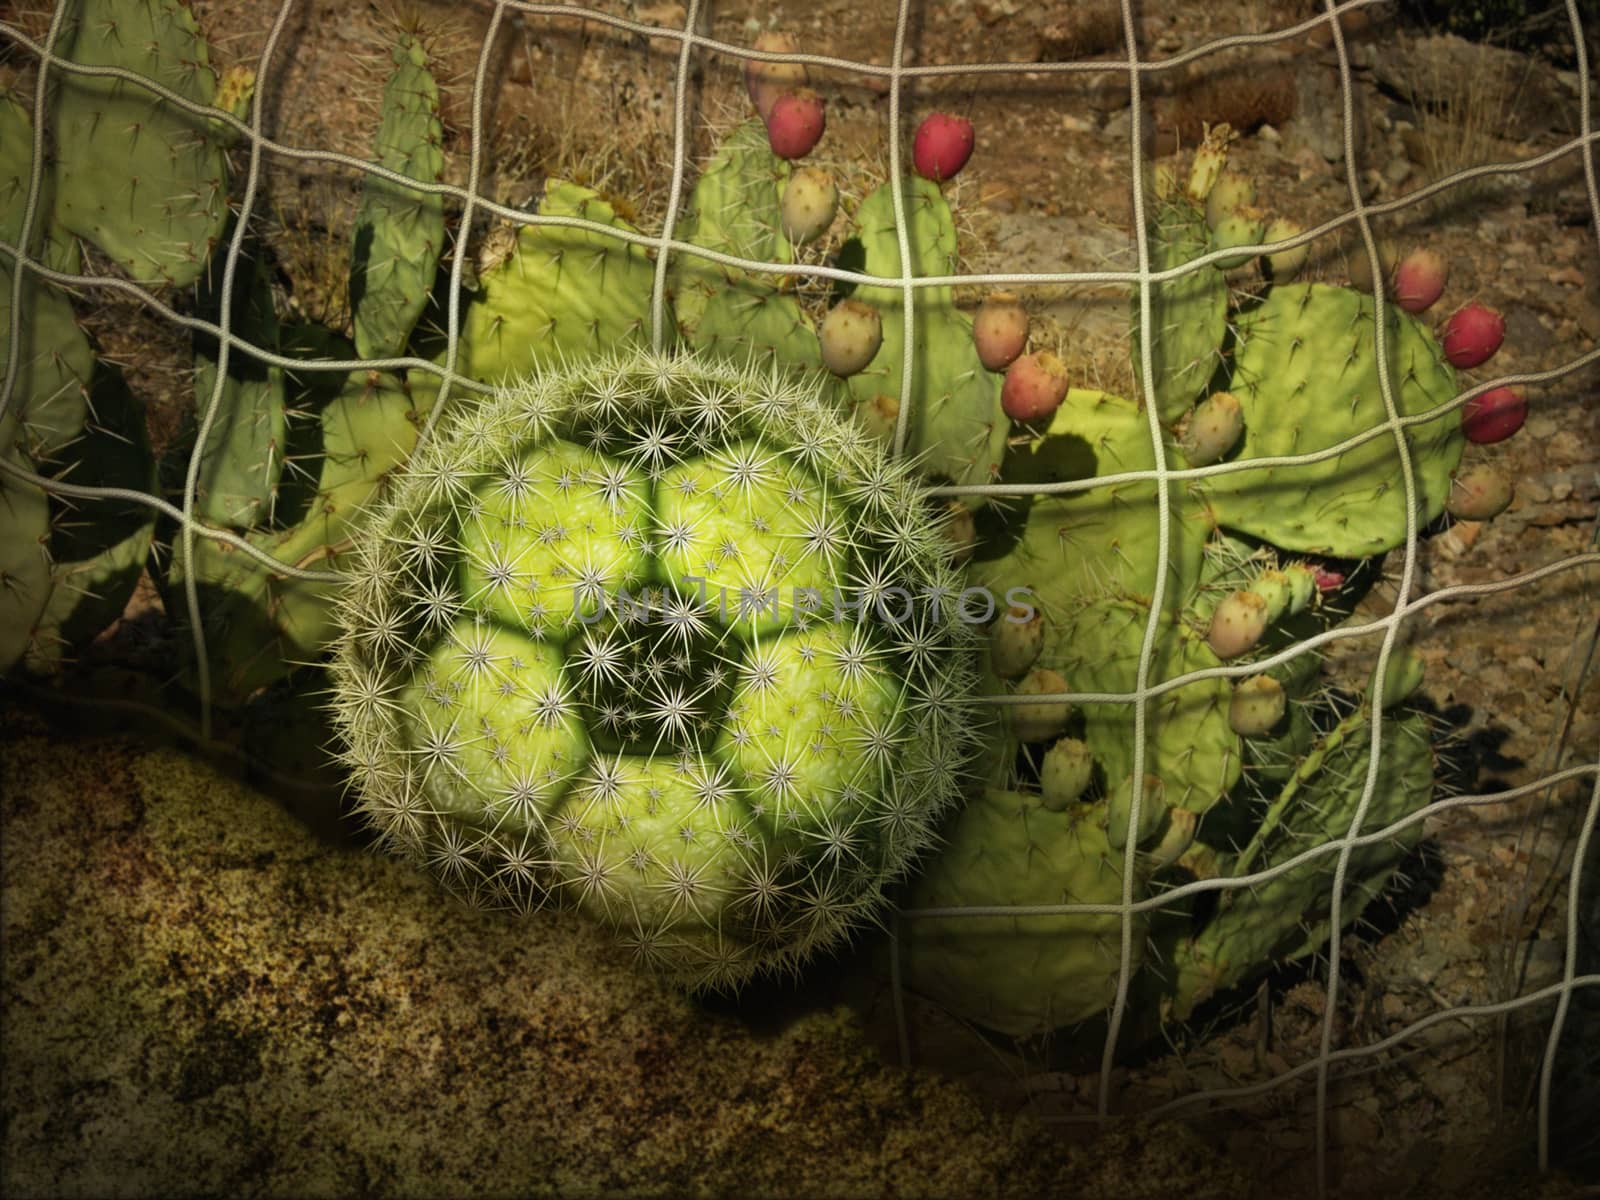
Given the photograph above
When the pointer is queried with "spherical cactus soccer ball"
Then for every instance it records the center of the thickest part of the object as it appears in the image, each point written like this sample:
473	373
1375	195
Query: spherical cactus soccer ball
668	642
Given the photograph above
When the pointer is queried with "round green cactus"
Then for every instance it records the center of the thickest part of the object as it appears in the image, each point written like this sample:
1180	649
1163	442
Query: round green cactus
666	640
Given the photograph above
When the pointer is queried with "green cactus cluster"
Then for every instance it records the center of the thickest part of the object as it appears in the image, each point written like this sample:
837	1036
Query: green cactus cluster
659	637
1234	776
592	650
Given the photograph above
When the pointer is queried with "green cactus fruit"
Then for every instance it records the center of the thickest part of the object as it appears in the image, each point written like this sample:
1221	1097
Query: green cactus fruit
957	430
399	233
1176	839
1040	720
1284	266
1020	975
1230	193
1015	640
565	295
1237	624
242	460
1209	161
1288	915
144	181
1065	774
98	550
1213	429
24	559
1189	313
1359	265
1258	705
260	624
851	335
1307	376
656	636
737	208
1238	227
810	201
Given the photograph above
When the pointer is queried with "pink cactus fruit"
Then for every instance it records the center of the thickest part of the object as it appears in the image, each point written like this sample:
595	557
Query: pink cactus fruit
851	334
1419	279
1034	388
1494	416
1329	581
766	81
1478	494
942	146
1472	334
1000	330
795	123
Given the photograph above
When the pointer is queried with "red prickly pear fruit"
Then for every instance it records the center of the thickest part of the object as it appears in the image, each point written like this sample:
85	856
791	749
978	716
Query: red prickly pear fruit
1257	705
942	146
766	81
1329	581
810	200
1035	386
1472	334
1419	279
851	334
1494	416
1000	330
1238	623
1478	494
1015	641
795	123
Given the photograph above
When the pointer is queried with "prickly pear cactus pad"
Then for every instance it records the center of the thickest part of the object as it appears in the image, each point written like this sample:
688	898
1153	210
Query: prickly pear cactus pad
669	642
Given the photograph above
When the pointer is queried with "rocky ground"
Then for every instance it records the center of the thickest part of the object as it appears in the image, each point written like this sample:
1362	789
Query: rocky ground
209	989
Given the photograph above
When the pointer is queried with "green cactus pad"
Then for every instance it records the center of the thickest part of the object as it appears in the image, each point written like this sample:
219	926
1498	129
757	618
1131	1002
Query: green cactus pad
48	407
753	784
1189	313
735	209
399	233
565	295
1288	916
957	427
141	179
260	624
98	548
24	560
1306	374
1028	975
243	457
1190	746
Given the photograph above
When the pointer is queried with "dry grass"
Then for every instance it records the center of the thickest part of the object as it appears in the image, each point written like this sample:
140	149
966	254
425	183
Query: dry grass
1460	118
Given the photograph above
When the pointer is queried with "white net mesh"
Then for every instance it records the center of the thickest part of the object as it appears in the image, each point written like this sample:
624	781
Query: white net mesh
693	46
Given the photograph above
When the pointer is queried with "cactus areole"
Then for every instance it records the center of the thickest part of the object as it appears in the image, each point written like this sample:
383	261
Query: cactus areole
668	642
